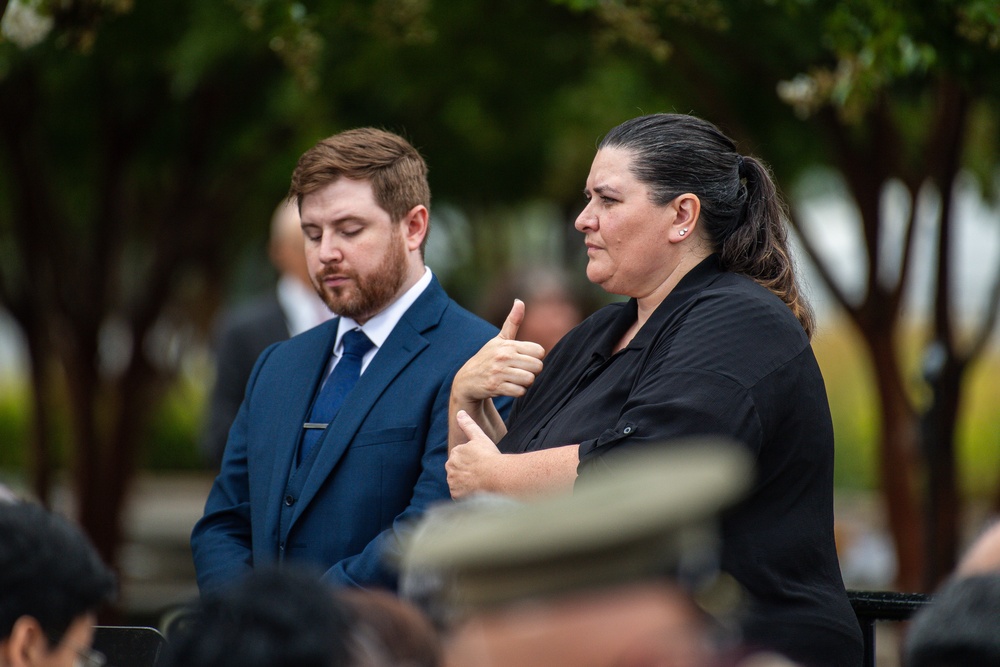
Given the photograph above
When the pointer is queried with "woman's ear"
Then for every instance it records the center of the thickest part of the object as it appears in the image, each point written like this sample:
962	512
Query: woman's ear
687	209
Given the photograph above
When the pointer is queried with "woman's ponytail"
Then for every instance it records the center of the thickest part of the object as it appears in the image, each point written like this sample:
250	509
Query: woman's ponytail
757	245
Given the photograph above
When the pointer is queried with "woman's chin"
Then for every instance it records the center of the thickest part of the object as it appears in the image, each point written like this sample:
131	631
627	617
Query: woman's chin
597	275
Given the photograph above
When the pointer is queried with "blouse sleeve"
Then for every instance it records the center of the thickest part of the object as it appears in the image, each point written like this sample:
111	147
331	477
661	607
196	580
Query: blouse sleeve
667	406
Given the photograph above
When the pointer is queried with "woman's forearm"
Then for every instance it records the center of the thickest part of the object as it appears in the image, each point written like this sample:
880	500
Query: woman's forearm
483	412
537	473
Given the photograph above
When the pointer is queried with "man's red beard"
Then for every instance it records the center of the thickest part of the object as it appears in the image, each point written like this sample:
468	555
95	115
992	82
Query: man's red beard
364	297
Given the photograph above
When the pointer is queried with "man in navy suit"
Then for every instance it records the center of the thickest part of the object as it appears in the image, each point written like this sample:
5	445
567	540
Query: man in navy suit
339	505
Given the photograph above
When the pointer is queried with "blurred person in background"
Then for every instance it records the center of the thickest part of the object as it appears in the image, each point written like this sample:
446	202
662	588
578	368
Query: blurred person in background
243	332
52	584
983	555
552	306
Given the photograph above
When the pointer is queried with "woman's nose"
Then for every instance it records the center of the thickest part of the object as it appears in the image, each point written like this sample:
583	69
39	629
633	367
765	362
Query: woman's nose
586	220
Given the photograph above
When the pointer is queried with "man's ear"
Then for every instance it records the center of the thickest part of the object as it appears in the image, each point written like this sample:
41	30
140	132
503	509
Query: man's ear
414	226
27	644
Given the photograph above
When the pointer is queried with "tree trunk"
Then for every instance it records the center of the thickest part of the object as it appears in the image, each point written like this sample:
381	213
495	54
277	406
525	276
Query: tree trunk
944	506
898	462
91	467
40	438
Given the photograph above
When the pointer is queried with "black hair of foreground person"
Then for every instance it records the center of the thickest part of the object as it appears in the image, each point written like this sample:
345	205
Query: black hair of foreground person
960	626
271	618
49	571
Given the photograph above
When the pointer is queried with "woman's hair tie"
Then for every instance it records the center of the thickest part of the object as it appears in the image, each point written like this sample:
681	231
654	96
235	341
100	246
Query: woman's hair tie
739	164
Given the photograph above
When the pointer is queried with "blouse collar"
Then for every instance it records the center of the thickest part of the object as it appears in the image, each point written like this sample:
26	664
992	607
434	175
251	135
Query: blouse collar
697	279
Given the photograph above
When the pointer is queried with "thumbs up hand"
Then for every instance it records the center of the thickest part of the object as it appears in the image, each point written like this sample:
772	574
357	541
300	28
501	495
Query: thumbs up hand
504	366
513	322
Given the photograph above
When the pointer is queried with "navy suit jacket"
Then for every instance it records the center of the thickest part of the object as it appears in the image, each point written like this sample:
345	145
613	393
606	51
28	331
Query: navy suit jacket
380	464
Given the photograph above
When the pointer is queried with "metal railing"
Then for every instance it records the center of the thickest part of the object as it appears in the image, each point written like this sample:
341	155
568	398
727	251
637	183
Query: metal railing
872	606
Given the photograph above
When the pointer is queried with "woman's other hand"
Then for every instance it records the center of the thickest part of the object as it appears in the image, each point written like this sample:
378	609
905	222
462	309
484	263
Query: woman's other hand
472	465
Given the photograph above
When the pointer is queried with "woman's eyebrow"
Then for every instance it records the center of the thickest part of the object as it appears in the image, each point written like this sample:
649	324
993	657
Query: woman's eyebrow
605	189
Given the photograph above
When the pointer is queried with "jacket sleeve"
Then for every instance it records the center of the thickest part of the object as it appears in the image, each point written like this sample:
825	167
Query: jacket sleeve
377	565
221	542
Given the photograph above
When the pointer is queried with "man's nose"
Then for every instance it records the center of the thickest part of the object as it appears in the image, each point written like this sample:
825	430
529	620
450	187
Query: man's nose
330	249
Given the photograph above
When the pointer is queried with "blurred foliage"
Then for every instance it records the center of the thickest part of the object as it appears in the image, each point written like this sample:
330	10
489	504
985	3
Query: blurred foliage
13	430
171	445
176	427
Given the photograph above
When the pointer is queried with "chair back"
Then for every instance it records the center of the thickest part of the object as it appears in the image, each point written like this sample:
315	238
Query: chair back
129	646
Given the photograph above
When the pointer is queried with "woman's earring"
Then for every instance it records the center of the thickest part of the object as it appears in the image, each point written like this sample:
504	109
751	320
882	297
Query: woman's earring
682	232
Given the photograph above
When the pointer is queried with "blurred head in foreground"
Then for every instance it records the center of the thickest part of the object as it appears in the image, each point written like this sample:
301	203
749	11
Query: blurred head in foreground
394	632
618	573
52	583
272	618
959	627
289	618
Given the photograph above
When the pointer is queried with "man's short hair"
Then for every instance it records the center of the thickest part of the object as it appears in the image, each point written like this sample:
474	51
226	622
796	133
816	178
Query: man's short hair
49	570
271	618
397	171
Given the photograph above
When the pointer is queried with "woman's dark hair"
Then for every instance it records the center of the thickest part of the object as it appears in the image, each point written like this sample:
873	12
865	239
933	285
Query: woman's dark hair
742	213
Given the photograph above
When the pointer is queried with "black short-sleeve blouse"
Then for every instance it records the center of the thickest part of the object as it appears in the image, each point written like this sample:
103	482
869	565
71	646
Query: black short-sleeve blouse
720	356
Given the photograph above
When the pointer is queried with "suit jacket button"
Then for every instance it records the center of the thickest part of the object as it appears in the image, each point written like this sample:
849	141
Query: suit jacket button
289	500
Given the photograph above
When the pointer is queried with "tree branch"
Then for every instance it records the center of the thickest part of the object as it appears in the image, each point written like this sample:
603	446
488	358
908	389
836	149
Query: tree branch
944	157
812	250
906	261
980	340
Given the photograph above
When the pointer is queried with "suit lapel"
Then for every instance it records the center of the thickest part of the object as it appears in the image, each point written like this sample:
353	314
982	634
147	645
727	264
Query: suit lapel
404	343
302	369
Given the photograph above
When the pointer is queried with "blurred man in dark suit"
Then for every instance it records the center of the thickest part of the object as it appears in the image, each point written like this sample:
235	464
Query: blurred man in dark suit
245	331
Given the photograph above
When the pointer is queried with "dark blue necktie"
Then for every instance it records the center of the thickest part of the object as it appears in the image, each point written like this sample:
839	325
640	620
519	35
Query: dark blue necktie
343	378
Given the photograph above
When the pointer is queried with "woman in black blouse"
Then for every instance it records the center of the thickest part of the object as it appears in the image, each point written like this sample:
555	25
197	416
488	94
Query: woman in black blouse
714	340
